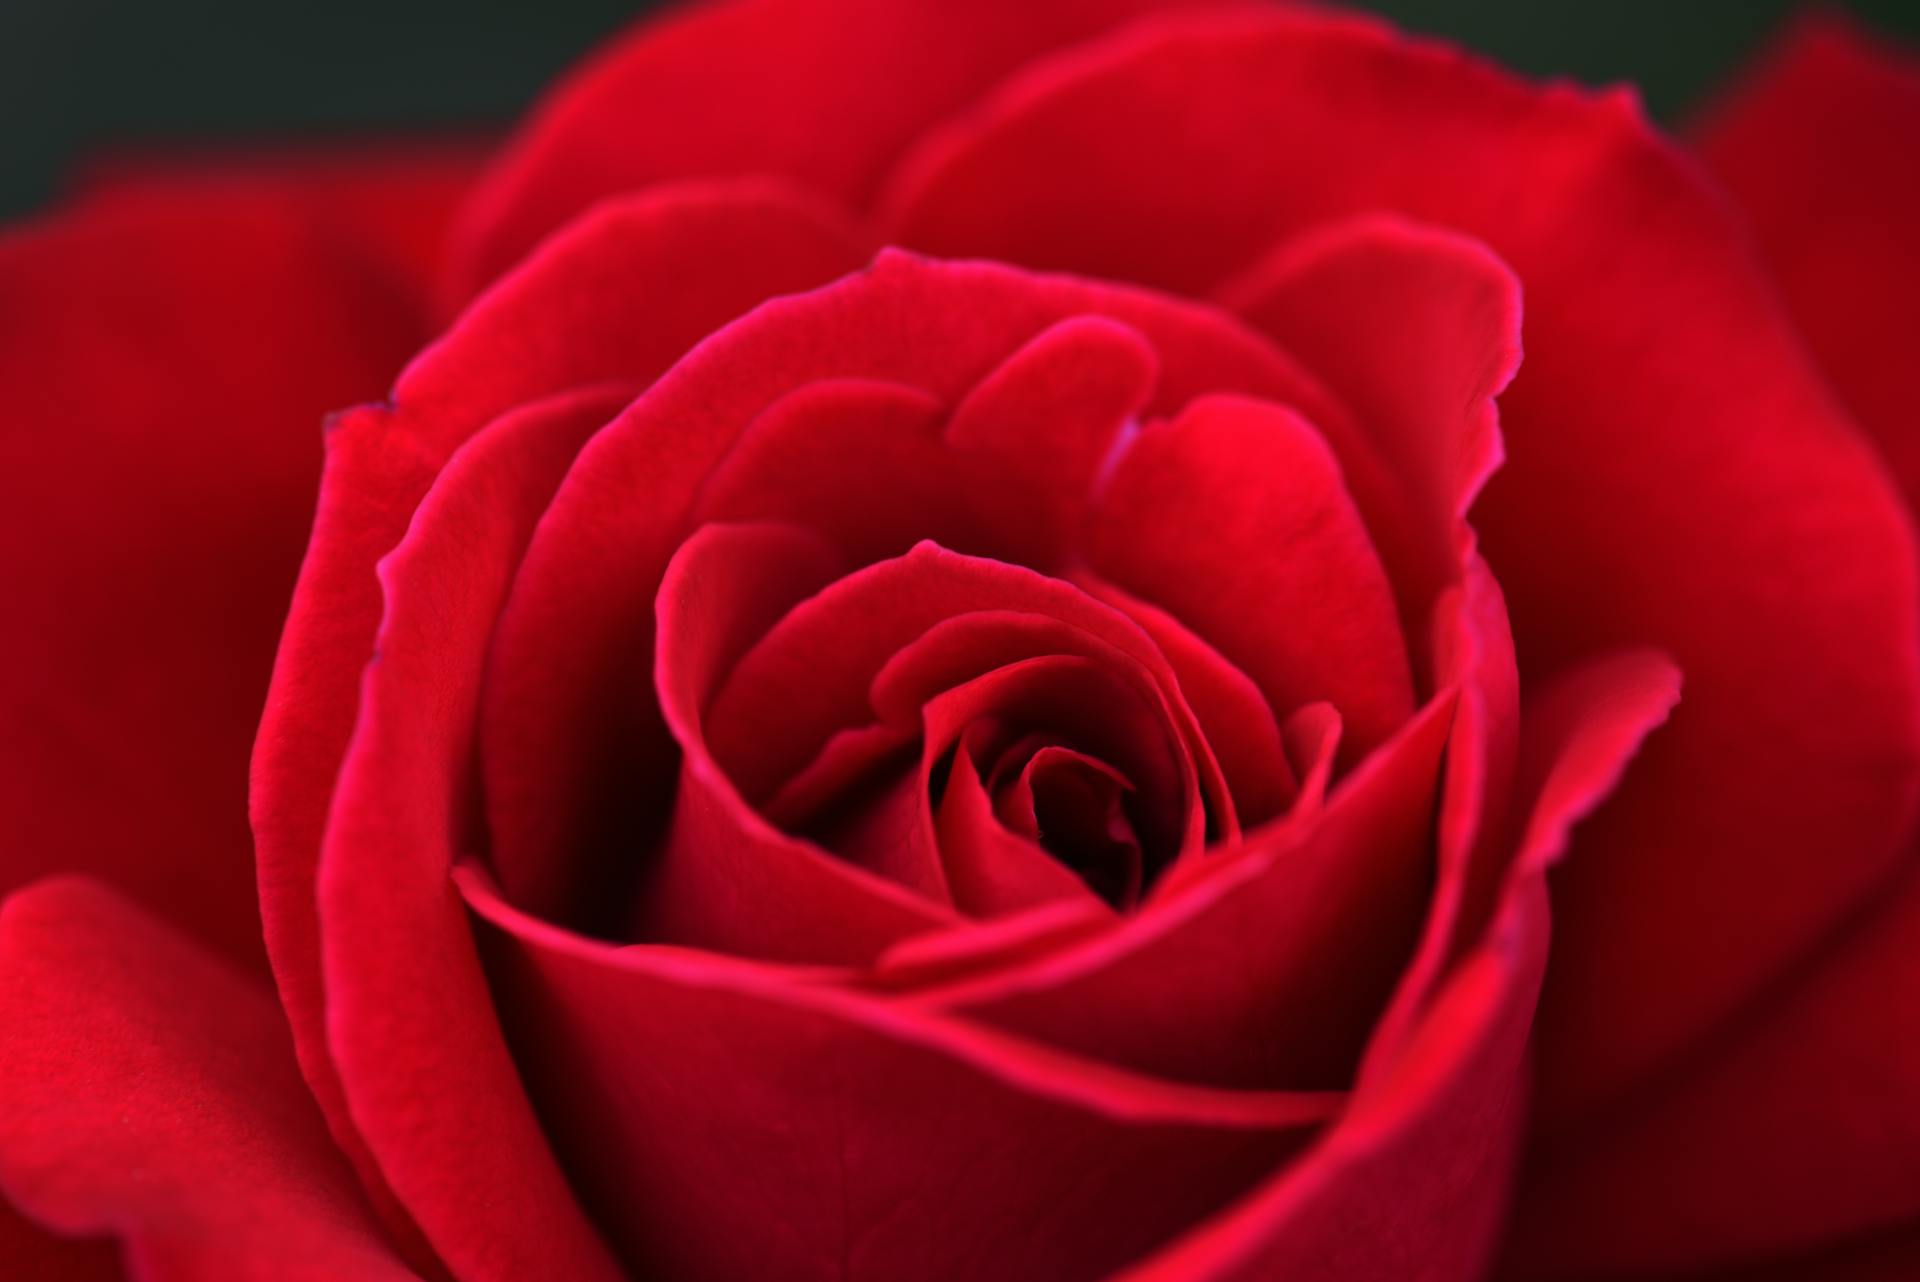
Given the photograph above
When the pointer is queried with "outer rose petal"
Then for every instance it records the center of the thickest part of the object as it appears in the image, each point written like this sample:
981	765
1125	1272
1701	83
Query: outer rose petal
672	265
167	356
146	1090
1411	1182
1796	1128
849	1137
410	1025
398	196
1677	474
822	92
1418	329
1818	147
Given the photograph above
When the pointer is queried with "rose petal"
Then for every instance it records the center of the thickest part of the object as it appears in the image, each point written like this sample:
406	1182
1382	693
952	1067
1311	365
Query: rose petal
858	461
398	194
45	1257
618	296
1265	971
829	664
879	466
381	461
724	878
1070	699
1036	432
1473	652
891	831
1660	381
1236	722
994	871
167	359
427	1080
976	947
1413	1181
146	1091
652	1064
824	92
1312	736
1234	519
1795	1128
1416	329
574	738
1817	146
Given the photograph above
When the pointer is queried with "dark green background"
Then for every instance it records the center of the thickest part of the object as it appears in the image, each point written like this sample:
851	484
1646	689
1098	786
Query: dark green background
84	74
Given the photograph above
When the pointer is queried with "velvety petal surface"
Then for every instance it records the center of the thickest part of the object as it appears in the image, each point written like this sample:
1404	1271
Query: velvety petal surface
821	92
907	1144
577	752
146	1090
410	1027
1412	1181
1416	329
1796	1129
670	266
168	355
50	1257
724	878
1234	518
1666	437
1304	929
1817	146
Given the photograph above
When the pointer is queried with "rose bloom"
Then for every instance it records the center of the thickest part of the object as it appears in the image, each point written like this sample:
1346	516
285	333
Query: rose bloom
953	641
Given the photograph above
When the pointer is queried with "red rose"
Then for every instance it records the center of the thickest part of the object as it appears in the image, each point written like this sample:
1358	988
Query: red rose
1035	755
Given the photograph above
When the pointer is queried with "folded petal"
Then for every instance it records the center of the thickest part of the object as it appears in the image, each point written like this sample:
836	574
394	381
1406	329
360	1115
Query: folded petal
410	1028
1413	1180
652	1065
146	1091
993	869
579	754
1234	519
1472	651
1263	972
1666	437
723	877
675	264
922	621
1416	329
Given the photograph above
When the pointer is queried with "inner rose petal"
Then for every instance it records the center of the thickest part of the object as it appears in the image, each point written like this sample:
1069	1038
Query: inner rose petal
1028	719
1076	806
1039	375
876	466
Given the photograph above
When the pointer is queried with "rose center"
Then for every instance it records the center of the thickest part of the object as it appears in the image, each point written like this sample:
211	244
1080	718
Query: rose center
1074	807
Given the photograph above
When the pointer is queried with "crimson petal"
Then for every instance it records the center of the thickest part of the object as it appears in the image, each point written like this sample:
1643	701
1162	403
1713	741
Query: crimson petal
146	1091
1666	437
1413	1181
652	1062
822	92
